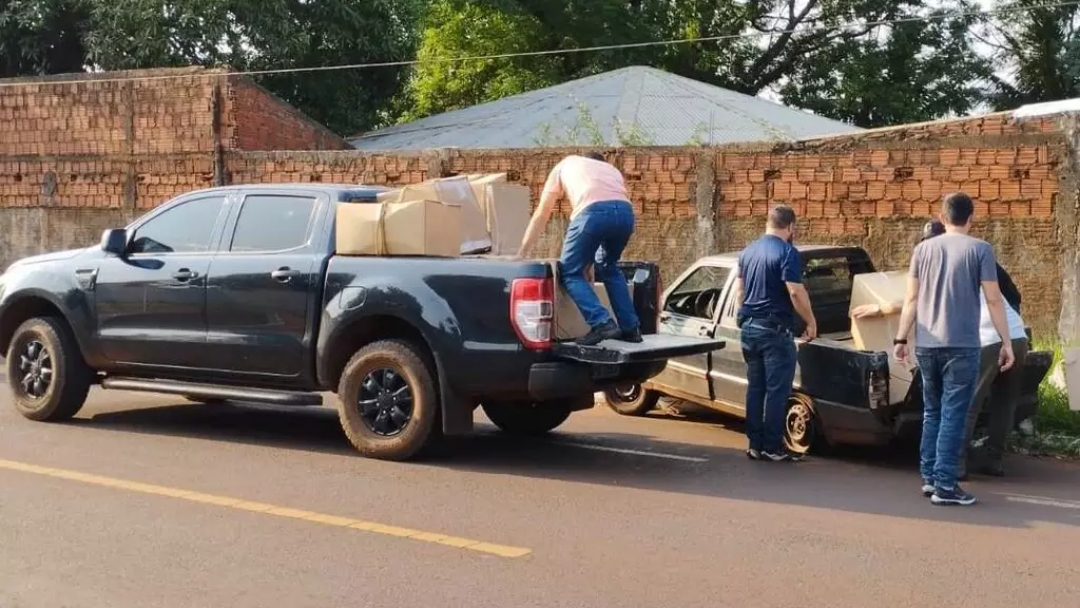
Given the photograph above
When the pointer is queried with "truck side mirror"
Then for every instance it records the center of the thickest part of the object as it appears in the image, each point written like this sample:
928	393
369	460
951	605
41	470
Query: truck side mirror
114	241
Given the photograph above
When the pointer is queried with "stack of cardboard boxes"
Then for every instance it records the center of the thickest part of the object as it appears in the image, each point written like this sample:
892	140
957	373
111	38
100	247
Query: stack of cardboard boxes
440	217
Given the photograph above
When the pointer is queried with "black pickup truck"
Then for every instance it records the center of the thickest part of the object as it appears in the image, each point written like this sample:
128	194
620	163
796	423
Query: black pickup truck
236	293
841	395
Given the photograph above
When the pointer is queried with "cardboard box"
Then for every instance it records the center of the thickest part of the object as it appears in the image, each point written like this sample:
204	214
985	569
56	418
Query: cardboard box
569	324
418	227
877	333
507	209
474	234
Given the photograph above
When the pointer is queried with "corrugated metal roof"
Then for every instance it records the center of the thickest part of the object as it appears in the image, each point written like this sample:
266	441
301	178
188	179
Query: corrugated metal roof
630	106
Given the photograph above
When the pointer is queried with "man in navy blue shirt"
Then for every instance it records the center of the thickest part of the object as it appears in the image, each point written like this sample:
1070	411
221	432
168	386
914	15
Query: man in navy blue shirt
770	291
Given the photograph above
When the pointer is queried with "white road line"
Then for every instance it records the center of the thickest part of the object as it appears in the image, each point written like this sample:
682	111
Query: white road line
604	448
1043	502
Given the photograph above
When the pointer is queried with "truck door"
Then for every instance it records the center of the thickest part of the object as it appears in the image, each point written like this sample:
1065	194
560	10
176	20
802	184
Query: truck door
262	285
689	310
727	373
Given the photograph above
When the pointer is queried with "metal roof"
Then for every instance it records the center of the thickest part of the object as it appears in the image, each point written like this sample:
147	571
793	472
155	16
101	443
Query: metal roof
630	106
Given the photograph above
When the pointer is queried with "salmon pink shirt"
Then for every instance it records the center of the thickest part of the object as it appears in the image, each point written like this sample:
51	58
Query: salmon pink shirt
585	181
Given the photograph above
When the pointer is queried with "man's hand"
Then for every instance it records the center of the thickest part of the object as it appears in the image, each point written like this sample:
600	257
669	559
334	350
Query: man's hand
1006	357
866	310
810	332
901	352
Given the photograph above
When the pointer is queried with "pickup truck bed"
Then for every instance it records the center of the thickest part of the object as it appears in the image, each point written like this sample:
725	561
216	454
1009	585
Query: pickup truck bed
236	293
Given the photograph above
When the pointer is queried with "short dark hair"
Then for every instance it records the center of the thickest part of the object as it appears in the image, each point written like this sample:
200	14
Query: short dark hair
957	209
594	156
781	217
932	229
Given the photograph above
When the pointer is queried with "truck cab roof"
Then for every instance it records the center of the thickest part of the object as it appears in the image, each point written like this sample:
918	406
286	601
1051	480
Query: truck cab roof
336	192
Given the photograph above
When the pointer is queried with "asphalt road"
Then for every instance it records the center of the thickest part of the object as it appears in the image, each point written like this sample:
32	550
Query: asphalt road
149	501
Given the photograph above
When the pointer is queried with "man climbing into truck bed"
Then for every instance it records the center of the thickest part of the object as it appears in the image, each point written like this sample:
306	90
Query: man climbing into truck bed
601	222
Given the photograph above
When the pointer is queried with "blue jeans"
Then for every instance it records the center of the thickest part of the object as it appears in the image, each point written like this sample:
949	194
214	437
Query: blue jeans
949	376
598	235
770	355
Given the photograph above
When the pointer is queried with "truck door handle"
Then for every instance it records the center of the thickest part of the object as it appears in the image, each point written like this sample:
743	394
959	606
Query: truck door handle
185	274
284	274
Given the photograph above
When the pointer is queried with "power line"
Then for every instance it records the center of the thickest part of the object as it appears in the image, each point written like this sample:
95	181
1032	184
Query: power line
588	49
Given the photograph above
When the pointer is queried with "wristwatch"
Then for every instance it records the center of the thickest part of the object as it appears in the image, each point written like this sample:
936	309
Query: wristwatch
898	341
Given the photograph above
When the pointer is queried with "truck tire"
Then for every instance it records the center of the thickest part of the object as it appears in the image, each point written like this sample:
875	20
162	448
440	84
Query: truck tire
527	418
631	400
802	426
388	401
47	376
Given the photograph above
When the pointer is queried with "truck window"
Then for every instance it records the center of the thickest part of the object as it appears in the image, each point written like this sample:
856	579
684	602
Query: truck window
828	282
271	222
699	294
186	228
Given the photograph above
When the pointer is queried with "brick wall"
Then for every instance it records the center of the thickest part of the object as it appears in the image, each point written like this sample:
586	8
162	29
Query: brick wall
76	158
261	121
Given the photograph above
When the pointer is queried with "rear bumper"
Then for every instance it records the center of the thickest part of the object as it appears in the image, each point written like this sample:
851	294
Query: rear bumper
850	425
557	379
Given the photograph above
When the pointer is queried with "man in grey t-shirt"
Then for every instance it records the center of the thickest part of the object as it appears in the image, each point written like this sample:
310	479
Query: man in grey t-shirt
942	301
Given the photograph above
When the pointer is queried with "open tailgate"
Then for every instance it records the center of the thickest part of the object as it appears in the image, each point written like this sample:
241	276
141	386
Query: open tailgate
654	347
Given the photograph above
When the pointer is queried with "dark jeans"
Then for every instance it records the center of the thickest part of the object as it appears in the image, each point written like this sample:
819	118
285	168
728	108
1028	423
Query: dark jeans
598	235
949	376
769	351
998	391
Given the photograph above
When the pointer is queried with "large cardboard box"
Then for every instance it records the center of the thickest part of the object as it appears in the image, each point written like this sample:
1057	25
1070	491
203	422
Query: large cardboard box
418	227
569	324
507	207
474	235
885	289
506	210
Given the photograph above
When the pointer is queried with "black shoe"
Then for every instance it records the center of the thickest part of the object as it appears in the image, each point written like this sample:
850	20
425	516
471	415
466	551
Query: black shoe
608	331
781	456
753	454
632	335
955	496
927	488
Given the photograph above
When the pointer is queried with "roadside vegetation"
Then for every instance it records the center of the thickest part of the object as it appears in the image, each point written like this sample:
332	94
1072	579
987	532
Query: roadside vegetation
1056	429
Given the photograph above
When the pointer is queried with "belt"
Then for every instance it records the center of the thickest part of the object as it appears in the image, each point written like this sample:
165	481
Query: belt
768	323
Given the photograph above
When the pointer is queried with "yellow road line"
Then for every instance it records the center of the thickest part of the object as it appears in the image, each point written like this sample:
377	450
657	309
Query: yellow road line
243	505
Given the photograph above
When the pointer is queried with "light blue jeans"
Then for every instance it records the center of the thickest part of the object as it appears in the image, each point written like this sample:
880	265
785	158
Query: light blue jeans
599	235
949	378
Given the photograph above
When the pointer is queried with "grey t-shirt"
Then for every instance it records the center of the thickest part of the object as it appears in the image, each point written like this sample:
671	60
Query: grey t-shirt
950	269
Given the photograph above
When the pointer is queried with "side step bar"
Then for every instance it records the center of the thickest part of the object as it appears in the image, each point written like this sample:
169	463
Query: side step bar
211	391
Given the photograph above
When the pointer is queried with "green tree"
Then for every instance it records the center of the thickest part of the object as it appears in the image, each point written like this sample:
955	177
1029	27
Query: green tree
456	28
1038	50
816	53
906	72
42	37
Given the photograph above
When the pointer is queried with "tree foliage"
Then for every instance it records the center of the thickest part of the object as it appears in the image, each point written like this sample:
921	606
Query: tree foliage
1037	46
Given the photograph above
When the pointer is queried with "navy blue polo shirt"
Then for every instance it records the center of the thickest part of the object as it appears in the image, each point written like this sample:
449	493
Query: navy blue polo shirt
765	266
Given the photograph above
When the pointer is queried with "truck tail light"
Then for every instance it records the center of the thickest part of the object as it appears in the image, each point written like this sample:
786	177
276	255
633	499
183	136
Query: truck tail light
878	389
532	309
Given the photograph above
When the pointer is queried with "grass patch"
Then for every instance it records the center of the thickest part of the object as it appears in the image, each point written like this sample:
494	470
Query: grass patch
1057	428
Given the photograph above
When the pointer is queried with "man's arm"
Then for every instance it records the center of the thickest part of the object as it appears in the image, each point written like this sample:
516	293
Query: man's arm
800	299
548	198
907	312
